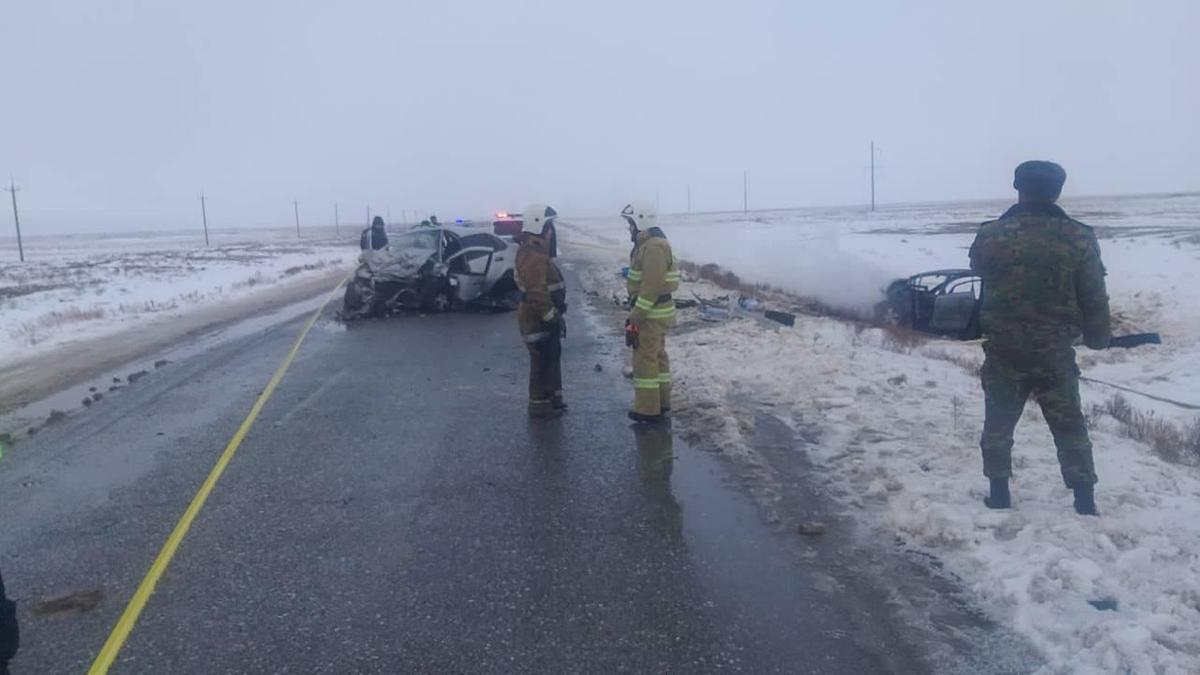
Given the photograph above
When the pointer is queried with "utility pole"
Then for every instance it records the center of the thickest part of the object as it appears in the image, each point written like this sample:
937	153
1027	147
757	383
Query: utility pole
872	175
368	215
296	207
689	199
745	195
12	187
204	216
336	226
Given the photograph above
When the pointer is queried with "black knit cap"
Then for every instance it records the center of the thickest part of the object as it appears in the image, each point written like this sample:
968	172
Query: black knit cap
378	222
1040	179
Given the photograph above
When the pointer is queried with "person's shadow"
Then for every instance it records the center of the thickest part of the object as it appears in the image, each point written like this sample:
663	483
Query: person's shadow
655	464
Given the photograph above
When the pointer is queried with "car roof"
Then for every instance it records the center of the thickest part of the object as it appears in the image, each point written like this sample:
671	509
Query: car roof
458	230
947	273
464	231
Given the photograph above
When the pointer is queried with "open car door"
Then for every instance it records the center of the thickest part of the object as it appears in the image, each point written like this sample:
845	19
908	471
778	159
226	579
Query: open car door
471	264
955	311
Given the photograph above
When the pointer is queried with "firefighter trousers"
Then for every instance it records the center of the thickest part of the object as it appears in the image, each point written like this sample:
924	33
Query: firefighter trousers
545	370
652	368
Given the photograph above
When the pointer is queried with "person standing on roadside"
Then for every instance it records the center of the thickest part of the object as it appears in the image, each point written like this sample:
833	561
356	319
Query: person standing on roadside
653	277
540	314
1043	286
374	237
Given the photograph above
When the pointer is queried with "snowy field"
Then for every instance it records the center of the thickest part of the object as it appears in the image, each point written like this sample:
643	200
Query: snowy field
894	422
76	289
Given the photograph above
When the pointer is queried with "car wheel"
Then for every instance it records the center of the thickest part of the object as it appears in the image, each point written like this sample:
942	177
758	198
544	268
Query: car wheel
352	301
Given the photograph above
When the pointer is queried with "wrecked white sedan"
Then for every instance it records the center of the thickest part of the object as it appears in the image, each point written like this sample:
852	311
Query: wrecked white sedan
435	269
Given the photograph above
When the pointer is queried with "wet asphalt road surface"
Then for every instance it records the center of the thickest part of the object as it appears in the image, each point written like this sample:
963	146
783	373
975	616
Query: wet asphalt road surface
393	510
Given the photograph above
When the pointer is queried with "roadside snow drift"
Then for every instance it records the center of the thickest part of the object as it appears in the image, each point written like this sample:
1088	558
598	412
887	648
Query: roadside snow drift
79	288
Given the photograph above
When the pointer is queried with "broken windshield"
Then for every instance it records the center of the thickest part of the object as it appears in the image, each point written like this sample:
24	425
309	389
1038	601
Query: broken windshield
417	240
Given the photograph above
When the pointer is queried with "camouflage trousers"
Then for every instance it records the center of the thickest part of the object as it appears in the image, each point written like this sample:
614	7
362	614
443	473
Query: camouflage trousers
1051	376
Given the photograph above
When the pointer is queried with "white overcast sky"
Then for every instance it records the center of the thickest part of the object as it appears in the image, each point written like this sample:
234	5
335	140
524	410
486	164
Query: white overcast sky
114	115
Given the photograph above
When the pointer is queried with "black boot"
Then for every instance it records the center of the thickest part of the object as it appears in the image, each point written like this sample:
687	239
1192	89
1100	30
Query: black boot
543	409
645	419
999	498
1085	499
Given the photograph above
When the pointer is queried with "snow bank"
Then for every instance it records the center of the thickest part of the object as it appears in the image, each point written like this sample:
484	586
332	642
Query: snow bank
77	289
899	443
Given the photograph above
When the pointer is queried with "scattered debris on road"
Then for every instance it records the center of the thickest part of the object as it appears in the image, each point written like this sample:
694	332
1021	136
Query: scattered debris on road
784	318
811	529
79	602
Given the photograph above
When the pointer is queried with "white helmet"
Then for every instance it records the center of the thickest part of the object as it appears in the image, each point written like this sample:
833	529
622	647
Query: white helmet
535	217
640	215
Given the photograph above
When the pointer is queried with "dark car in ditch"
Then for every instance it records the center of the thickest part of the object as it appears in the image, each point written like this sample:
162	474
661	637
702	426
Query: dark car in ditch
940	302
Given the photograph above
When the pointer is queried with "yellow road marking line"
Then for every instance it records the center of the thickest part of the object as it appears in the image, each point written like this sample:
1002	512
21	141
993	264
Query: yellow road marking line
120	633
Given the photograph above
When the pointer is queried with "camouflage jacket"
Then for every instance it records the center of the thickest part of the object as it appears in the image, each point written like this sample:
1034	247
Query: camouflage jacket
1043	281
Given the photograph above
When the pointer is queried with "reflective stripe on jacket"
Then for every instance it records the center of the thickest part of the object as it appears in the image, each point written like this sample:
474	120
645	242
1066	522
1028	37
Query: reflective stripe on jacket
653	269
543	289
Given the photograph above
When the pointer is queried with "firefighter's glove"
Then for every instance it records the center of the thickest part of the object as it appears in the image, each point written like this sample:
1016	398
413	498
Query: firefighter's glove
631	333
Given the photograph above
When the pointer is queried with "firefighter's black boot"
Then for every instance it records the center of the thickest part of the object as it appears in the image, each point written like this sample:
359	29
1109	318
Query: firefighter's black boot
1085	499
999	497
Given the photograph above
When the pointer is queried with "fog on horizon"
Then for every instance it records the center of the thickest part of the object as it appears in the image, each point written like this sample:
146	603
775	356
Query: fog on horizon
117	114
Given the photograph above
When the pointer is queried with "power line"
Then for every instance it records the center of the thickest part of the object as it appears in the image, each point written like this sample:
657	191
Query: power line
12	188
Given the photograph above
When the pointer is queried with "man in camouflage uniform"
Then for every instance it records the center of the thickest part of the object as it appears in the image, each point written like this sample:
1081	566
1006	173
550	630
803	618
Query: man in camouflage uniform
653	277
540	315
1043	285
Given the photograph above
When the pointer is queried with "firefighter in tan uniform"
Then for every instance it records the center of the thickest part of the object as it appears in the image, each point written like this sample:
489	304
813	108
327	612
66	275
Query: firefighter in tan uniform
540	315
653	277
